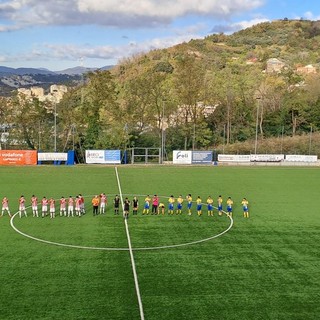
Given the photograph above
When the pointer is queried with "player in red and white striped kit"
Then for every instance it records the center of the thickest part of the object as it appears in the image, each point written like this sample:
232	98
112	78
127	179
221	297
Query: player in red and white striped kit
63	205
52	204
82	209
34	206
103	202
78	206
5	206
44	207
70	206
22	206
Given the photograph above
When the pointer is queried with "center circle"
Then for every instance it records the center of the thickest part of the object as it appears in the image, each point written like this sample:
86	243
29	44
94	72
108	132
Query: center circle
120	249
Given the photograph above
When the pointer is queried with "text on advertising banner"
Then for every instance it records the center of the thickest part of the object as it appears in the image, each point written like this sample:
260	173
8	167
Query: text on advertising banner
18	157
202	157
182	157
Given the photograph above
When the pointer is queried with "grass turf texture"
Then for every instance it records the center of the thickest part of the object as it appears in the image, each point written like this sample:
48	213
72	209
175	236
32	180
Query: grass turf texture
265	267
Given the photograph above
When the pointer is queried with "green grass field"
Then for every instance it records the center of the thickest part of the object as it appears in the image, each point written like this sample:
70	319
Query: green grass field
265	267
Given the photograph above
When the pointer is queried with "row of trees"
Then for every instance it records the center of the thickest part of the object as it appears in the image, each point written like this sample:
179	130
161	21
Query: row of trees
131	105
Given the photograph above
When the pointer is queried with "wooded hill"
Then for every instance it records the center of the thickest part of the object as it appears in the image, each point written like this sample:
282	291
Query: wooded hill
205	94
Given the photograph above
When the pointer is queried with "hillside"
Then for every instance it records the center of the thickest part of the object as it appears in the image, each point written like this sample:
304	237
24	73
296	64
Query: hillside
294	41
259	83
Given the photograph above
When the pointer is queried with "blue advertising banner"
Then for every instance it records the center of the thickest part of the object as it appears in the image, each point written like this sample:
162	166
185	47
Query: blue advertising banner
202	157
112	156
103	156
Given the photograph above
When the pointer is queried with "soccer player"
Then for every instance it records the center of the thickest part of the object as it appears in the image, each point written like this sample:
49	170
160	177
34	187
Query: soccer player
220	205
155	203
5	206
63	204
82	209
189	205
161	208
199	206
52	205
126	208
171	201
44	207
245	209
34	206
179	204
210	206
135	205
146	205
116	204
229	206
70	206
78	206
22	206
103	203
95	205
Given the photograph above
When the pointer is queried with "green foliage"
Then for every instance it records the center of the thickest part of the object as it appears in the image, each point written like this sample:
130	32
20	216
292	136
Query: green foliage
172	88
163	66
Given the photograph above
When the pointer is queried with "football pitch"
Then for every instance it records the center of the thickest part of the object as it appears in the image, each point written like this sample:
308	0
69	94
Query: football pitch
163	266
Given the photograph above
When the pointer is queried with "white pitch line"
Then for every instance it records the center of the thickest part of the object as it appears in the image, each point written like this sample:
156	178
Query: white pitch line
134	270
119	249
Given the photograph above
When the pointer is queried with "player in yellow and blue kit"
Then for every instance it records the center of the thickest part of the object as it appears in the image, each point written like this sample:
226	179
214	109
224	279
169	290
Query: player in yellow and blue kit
210	206
170	205
179	204
161	208
189	205
146	205
229	206
245	208
220	205
199	206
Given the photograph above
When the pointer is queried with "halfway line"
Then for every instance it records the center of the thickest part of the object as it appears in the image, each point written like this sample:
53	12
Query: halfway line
135	276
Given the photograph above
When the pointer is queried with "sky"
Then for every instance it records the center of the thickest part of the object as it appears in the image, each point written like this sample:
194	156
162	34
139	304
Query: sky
61	34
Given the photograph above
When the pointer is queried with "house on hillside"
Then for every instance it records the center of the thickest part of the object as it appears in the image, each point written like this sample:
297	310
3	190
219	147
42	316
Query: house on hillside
306	69
55	95
274	65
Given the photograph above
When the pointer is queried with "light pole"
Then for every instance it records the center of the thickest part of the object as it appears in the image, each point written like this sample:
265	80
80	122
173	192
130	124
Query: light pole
162	134
55	127
310	140
257	120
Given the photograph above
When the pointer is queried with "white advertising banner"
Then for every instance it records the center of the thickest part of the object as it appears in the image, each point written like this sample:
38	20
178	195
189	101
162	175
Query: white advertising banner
94	156
52	156
182	157
301	158
266	157
103	156
234	157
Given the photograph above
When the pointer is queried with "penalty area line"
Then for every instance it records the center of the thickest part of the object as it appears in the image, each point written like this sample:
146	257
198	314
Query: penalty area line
134	270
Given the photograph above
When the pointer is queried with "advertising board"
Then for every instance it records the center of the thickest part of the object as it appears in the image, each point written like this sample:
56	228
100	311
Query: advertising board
52	156
301	158
202	157
234	157
18	157
103	156
266	157
182	157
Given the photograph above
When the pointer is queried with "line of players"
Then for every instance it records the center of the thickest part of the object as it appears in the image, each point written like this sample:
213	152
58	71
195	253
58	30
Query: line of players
157	207
69	207
75	206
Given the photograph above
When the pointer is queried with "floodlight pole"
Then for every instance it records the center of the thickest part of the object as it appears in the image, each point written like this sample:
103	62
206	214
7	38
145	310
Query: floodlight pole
257	120
55	127
162	133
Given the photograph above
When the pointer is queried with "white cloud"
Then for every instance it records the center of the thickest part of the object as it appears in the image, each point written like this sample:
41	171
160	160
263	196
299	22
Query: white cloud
105	54
119	13
233	27
310	16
